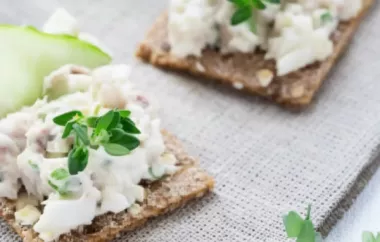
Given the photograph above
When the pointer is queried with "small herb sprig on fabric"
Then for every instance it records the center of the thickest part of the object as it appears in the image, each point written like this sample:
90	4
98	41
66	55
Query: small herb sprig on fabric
301	229
244	11
115	131
370	237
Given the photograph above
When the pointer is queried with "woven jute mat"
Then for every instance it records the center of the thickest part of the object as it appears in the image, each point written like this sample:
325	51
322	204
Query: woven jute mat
266	160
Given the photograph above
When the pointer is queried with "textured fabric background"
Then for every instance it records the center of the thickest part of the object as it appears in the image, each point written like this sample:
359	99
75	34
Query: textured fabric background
265	160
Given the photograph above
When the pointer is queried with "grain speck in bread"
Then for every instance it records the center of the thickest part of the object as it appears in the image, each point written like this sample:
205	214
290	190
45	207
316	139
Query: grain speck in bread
163	196
295	90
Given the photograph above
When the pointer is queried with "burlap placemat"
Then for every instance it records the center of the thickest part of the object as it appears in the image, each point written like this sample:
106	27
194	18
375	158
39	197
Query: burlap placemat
266	160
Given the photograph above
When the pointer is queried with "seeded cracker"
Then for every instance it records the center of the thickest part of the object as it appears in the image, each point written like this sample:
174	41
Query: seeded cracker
295	90
161	197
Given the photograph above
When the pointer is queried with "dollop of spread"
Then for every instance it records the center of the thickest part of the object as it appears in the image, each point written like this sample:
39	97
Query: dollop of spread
295	33
34	152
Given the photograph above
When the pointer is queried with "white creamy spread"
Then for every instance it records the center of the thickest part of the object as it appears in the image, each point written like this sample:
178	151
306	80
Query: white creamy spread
34	157
108	183
191	29
295	36
33	150
298	40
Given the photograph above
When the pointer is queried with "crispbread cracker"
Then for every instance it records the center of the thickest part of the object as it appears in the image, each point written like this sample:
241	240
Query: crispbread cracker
295	90
163	196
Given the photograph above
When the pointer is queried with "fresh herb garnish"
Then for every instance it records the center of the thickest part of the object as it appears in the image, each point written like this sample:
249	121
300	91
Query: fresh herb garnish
326	18
67	130
78	159
91	121
370	237
115	149
119	136
124	113
301	229
244	11
81	133
104	122
128	126
115	131
67	117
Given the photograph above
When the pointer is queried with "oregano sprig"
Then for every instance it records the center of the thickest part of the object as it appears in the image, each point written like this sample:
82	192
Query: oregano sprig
114	130
244	11
301	229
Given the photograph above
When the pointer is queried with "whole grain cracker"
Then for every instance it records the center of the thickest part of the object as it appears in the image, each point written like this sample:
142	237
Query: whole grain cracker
163	196
295	90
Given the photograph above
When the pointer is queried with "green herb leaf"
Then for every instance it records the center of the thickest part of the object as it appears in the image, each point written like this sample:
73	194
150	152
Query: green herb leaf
101	138
129	126
115	149
307	233
293	224
104	121
63	119
91	121
115	121
258	4
119	136
301	229
273	1
60	174
78	159
241	3
68	129
241	15
82	133
124	113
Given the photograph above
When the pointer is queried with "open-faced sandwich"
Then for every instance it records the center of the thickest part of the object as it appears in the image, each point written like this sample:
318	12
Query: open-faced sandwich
82	156
279	49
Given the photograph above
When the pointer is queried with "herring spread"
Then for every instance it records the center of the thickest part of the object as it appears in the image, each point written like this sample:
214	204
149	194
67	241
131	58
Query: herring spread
294	33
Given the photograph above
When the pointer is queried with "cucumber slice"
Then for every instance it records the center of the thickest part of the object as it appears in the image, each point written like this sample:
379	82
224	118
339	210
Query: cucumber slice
28	55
